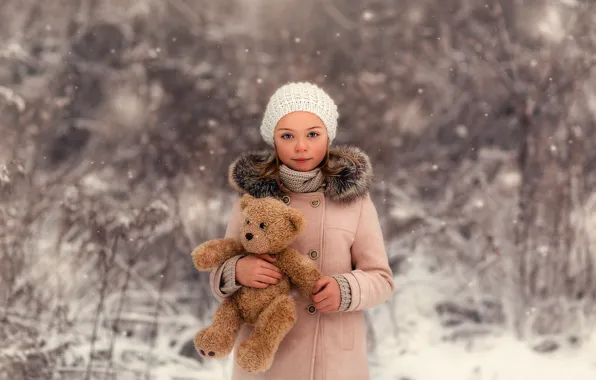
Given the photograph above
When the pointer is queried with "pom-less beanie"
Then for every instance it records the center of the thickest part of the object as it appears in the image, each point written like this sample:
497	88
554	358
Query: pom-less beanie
299	96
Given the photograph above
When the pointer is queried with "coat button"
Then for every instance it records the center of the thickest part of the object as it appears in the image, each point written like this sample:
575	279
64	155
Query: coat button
315	203
286	199
312	309
313	254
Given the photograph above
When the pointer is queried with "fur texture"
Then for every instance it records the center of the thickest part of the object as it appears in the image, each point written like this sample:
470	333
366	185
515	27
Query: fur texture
269	227
214	252
352	182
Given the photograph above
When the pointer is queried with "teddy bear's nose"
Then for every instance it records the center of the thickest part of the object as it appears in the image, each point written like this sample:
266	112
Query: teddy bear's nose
248	236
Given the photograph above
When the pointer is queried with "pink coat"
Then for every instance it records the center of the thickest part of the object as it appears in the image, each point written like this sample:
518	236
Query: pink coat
342	236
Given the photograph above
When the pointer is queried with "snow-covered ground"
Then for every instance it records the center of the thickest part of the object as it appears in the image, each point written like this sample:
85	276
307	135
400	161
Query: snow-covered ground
409	340
495	358
492	358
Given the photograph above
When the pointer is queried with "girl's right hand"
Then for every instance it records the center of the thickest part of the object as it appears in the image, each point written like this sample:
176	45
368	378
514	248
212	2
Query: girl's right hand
256	271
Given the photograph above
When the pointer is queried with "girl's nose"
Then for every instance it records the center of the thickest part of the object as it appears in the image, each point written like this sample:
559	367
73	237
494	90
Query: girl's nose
300	146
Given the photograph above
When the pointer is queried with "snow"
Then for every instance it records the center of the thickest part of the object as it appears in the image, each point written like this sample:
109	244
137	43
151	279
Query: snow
410	343
416	356
140	328
461	130
128	108
415	14
12	98
4	178
502	358
551	25
368	15
495	358
510	179
498	358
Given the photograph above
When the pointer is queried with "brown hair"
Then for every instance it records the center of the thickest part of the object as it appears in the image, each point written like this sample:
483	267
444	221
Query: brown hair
270	167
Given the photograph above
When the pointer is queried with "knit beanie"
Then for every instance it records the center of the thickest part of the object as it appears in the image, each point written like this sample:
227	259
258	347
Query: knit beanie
299	96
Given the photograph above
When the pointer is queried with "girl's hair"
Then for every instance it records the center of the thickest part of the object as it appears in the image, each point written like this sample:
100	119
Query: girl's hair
270	167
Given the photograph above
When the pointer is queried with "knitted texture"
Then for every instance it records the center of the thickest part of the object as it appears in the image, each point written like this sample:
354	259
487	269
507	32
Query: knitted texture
345	291
229	284
301	182
299	96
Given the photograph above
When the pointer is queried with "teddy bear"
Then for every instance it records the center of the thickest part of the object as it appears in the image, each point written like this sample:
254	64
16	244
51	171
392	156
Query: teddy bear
269	226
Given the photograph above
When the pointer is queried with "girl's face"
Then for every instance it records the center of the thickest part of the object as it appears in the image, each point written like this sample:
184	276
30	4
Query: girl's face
301	140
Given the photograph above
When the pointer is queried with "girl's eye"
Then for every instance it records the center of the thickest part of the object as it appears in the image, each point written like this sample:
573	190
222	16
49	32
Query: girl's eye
313	134
262	226
286	136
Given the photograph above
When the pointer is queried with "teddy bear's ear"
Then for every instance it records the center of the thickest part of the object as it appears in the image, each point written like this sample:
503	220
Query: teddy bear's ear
245	200
296	219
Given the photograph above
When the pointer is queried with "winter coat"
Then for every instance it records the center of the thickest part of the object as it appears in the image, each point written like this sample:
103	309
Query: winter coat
342	236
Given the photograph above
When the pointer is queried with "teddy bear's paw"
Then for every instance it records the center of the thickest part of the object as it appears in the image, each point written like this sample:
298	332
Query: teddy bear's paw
211	343
207	256
254	356
213	253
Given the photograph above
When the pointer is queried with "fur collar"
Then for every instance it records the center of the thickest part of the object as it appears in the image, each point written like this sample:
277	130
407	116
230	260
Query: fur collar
353	182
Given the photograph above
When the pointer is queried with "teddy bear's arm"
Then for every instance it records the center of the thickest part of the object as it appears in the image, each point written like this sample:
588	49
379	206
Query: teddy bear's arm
212	253
300	270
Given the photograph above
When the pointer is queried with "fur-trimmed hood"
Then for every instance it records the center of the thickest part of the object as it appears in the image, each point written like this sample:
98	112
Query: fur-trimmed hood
350	184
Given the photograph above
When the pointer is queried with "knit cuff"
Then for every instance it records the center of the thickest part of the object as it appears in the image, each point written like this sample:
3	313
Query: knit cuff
345	291
228	278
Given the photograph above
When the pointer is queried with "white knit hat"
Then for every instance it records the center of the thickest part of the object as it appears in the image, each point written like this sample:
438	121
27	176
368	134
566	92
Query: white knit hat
299	96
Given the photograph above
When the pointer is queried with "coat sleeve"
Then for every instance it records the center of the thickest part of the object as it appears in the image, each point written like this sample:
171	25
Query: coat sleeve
232	231
371	280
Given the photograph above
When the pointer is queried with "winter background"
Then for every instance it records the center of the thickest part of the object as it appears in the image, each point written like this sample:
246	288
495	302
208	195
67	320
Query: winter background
118	119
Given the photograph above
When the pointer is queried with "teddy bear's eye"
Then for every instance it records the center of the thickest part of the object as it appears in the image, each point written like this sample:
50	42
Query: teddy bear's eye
262	225
247	221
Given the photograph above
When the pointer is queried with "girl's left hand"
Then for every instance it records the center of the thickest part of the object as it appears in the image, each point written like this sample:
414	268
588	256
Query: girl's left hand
327	296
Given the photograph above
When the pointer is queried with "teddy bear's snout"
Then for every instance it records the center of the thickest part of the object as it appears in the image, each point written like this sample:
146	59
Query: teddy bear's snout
249	236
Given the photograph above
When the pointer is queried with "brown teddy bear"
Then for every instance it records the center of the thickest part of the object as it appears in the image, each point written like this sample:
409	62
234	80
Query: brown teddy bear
270	226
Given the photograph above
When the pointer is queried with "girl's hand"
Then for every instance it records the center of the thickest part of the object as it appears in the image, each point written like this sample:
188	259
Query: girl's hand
327	296
256	271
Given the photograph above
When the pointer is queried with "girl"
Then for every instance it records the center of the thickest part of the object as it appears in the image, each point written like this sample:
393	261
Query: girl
342	237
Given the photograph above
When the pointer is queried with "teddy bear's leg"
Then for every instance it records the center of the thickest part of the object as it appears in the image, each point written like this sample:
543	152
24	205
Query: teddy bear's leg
256	353
218	339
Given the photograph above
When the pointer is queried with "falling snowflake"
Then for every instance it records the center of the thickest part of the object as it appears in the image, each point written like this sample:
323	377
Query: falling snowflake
368	15
461	130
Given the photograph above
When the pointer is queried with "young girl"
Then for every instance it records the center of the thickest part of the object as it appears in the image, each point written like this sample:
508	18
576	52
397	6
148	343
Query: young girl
342	237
